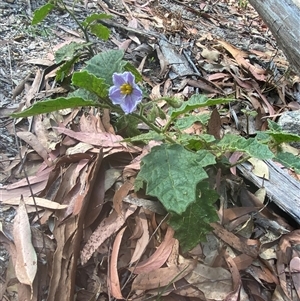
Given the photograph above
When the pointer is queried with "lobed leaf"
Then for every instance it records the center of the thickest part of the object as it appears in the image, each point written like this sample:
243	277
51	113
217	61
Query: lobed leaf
186	122
94	17
197	101
101	31
192	225
69	52
65	69
279	135
250	146
91	83
105	64
172	173
273	126
283	137
196	142
289	160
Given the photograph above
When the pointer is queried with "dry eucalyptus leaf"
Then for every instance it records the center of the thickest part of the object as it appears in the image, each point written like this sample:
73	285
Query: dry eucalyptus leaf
26	259
260	168
39	202
215	283
211	55
261	194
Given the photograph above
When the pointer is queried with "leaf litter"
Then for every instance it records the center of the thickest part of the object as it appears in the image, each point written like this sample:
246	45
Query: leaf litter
99	238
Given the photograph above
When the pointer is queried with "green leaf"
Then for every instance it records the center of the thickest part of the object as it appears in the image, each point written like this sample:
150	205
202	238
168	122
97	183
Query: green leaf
95	17
65	69
69	51
205	158
279	135
289	160
250	146
101	31
84	94
145	138
129	67
273	126
91	83
51	105
174	102
126	126
263	137
284	137
197	101
186	122
194	142
41	13
105	64
192	225
172	174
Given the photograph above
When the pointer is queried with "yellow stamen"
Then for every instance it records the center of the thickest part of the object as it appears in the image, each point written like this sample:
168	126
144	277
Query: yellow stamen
126	89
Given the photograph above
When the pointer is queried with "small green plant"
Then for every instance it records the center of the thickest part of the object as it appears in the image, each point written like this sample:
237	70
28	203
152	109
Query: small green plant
175	172
243	4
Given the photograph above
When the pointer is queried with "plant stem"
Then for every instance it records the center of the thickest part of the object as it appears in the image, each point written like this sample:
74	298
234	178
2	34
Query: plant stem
84	30
152	126
240	161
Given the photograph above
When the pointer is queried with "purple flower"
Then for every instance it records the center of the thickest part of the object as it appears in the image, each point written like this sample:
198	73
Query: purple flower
125	92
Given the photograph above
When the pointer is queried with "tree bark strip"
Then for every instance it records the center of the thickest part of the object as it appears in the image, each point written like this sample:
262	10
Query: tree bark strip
283	19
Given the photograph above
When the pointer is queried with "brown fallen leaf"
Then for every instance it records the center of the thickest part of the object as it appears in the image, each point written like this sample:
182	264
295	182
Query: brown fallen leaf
236	279
142	241
114	282
214	282
98	139
258	73
163	276
159	257
295	271
214	124
107	227
288	242
40	202
26	258
121	193
246	246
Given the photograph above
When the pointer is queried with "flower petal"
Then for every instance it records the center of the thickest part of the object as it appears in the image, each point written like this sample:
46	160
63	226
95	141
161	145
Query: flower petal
119	79
116	96
129	104
137	93
130	79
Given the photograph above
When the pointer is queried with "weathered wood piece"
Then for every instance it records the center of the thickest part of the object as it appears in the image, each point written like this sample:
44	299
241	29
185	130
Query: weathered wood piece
281	188
283	19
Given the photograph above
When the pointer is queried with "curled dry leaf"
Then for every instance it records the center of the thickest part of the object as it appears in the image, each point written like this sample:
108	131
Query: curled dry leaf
143	241
163	276
114	277
159	257
26	259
